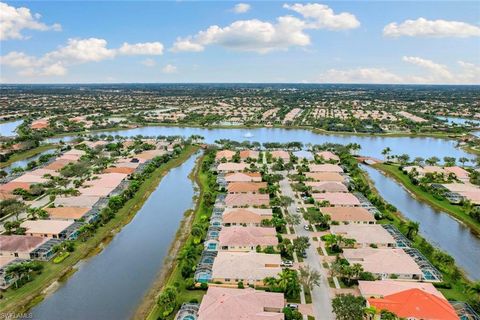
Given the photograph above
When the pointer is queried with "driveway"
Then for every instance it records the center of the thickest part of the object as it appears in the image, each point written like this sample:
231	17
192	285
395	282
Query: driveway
321	296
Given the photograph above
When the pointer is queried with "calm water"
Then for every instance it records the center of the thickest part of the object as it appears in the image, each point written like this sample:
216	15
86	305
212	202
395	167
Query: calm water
460	121
113	283
437	227
371	145
23	163
8	128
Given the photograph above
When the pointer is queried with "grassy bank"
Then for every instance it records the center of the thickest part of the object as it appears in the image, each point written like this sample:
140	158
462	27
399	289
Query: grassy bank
22	299
175	278
455	283
456	211
26	154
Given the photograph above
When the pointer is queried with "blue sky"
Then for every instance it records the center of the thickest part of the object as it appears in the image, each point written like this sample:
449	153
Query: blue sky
342	41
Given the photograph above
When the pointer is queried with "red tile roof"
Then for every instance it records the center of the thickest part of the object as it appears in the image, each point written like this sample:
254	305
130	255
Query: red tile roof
415	303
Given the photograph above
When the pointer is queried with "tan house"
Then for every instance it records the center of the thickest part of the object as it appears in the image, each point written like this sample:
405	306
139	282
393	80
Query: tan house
236	304
280	154
356	215
246	187
245	216
327	155
243	177
251	268
47	228
385	263
67	213
365	235
231	167
247	199
326	186
240	238
252	154
325	176
224	154
19	246
337	199
382	288
327	167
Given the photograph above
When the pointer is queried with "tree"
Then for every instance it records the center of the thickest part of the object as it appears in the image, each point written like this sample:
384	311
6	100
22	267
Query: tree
167	301
386	152
309	278
412	229
474	288
348	307
463	160
432	161
301	244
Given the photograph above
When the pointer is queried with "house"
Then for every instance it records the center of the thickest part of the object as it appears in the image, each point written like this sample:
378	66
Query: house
231	167
9	187
337	199
280	154
385	263
357	215
382	288
225	154
325	176
460	173
19	246
67	213
327	167
150	154
247	267
123	170
365	235
78	201
247	199
415	304
252	154
326	186
246	187
58	164
327	155
72	155
245	216
7	280
240	238
57	229
237	304
243	177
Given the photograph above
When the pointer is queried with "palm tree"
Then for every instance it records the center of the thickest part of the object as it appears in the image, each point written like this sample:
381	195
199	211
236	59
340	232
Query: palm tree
412	229
474	288
463	160
386	152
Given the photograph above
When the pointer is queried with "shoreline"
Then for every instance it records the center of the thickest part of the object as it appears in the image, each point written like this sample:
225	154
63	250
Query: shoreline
471	225
28	297
148	303
438	135
27	154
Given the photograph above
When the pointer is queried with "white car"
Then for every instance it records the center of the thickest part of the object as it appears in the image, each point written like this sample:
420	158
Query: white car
287	263
293	306
306	227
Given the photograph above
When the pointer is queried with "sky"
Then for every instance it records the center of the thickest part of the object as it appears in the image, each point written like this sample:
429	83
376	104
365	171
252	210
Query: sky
408	42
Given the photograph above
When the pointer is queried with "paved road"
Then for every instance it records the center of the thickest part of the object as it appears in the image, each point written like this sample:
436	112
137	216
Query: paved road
322	308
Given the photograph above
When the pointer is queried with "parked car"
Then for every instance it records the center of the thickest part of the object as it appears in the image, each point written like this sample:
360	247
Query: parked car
306	227
292	306
287	263
303	254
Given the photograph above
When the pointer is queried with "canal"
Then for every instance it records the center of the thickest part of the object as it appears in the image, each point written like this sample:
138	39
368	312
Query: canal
439	228
112	284
7	129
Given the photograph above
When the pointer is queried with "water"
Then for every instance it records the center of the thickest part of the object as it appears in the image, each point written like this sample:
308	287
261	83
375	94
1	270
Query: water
23	163
112	284
460	121
8	128
440	229
371	145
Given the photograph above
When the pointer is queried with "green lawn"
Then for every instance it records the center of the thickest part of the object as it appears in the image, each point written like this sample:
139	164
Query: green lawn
454	210
22	299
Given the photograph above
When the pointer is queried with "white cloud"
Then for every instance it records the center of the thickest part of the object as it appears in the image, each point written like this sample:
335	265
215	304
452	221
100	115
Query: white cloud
431	28
249	35
432	73
169	69
320	16
262	36
76	51
149	63
437	70
147	48
241	8
359	75
14	20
